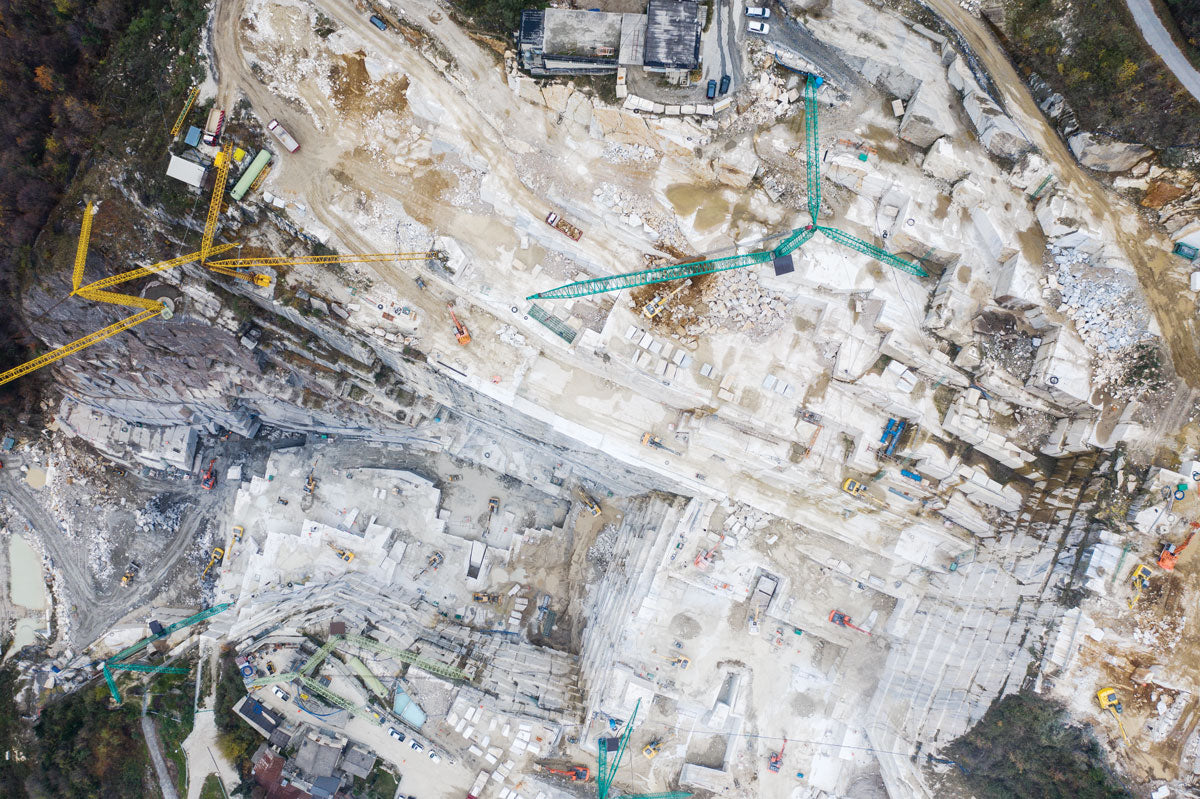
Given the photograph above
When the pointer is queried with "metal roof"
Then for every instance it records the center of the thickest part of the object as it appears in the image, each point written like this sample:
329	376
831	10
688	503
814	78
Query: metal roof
673	34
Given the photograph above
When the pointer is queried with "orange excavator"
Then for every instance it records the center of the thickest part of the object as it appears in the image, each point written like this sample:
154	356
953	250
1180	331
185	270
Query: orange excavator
775	759
460	330
842	620
209	480
1171	552
574	774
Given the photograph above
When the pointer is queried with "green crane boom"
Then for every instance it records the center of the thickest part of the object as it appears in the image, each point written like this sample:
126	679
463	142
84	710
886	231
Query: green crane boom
601	285
811	135
667	795
875	252
794	240
319	655
146	667
320	690
412	658
179	625
605	772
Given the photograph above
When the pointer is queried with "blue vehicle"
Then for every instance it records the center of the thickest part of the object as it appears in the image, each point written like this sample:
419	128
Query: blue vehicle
378	23
911	475
712	89
725	80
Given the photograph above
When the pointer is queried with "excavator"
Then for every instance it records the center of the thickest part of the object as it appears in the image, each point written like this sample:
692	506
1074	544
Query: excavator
592	505
1140	579
574	773
655	442
131	572
343	554
435	560
460	330
218	555
1171	552
209	480
842	620
1109	701
775	759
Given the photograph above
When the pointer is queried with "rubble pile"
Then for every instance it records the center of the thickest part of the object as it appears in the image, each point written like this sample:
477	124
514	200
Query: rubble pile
738	303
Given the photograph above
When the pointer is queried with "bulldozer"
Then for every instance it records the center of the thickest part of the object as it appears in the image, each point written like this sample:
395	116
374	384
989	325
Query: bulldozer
1170	552
485	598
1107	697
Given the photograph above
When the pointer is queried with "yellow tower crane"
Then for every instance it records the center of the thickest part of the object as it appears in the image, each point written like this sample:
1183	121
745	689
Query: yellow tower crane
187	106
214	206
81	250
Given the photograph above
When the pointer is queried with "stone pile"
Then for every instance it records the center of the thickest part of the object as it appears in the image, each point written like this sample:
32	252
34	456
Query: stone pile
737	303
1107	312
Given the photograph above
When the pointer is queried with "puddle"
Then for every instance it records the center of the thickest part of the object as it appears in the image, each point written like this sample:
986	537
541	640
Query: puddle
24	634
708	204
25	565
36	477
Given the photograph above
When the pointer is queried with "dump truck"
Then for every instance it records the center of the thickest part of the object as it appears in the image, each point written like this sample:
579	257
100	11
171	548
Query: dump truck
563	226
214	126
282	134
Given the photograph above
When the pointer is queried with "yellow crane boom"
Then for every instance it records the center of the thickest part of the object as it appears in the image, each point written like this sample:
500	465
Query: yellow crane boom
214	206
85	234
78	344
250	277
301	260
187	106
142	271
111	297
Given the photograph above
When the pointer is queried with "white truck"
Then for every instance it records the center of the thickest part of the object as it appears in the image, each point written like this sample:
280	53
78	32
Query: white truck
281	133
214	126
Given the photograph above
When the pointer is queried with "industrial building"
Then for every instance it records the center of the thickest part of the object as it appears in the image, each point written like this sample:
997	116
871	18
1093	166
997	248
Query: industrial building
558	41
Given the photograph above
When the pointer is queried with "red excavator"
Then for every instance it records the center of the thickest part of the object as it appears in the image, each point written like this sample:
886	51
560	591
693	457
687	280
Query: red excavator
775	759
1171	552
574	774
460	330
842	620
209	480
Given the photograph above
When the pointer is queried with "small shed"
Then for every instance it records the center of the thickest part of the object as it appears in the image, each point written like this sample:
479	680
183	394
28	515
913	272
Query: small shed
189	172
193	136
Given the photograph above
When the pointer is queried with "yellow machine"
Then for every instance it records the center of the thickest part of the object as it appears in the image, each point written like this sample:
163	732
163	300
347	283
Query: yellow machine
652	749
238	533
1109	701
1140	580
659	303
485	599
592	505
344	554
131	572
218	555
854	488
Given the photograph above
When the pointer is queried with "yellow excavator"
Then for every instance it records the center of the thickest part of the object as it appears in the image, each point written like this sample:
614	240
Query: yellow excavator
218	555
1140	579
343	554
1109	701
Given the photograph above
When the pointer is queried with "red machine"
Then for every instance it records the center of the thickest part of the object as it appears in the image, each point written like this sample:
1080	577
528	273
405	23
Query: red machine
1171	552
209	480
574	774
775	759
460	330
842	620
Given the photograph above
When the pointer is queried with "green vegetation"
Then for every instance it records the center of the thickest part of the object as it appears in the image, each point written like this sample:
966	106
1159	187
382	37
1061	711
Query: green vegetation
1092	53
1024	748
501	17
211	788
379	784
13	736
235	737
86	749
1186	14
171	708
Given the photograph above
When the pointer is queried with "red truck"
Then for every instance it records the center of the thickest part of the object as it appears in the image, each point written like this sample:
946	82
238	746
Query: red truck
281	133
566	228
214	126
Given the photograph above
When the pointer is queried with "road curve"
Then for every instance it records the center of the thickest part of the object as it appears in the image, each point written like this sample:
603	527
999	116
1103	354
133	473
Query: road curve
1155	34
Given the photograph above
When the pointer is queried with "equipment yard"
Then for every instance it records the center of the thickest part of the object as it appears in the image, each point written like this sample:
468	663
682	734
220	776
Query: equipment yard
634	404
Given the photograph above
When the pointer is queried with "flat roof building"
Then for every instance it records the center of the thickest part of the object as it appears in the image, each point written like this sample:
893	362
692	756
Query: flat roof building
189	172
563	41
672	35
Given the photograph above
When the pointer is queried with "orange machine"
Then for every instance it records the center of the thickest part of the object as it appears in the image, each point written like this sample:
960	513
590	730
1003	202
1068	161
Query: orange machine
460	330
1171	552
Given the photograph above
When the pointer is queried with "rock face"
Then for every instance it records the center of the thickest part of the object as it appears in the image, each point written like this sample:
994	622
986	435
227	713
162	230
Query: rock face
925	119
1104	154
998	134
943	163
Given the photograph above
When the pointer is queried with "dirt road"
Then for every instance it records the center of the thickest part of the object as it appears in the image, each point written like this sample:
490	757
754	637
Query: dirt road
94	612
1163	278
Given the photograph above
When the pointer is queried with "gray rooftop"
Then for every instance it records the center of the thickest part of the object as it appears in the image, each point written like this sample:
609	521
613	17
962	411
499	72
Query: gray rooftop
317	758
357	762
673	34
580	33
